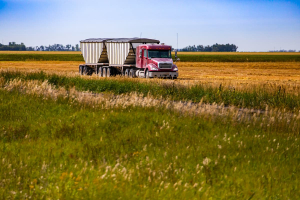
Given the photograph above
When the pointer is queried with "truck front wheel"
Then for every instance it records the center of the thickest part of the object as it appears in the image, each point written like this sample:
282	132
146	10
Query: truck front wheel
147	74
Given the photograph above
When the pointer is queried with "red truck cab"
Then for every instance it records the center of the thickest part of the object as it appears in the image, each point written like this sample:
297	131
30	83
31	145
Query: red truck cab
156	61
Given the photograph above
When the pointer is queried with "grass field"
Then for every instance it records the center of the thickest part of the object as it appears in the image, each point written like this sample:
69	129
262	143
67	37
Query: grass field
184	57
61	147
225	130
40	52
258	98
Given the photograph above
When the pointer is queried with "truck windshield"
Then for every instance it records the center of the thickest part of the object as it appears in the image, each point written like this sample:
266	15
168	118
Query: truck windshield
159	54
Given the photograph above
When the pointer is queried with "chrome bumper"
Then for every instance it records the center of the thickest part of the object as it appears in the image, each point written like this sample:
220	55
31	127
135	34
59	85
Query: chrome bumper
163	74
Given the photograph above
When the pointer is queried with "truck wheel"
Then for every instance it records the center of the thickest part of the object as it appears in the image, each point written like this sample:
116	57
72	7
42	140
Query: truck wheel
108	72
131	73
127	73
100	72
147	74
104	71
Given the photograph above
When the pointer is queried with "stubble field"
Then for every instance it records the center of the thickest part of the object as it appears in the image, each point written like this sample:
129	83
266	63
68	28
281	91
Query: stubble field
236	74
223	130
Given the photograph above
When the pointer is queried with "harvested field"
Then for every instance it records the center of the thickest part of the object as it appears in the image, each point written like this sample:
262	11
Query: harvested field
241	76
286	73
53	66
234	74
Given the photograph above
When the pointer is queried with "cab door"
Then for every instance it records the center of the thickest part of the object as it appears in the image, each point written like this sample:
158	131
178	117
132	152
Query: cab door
144	58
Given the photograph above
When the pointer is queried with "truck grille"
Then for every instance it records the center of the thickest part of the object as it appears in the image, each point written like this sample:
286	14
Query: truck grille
165	65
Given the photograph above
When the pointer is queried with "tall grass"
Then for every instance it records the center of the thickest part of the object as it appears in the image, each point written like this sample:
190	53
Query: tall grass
62	150
258	98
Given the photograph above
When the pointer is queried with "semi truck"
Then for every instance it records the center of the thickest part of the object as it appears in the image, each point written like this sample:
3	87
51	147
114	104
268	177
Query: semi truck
130	57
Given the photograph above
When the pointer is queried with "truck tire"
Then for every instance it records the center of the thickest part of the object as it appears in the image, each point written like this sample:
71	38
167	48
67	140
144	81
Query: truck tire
104	72
89	72
80	69
147	74
85	70
131	73
100	72
108	72
126	72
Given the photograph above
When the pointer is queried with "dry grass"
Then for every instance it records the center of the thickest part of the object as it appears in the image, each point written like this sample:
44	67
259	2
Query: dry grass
110	101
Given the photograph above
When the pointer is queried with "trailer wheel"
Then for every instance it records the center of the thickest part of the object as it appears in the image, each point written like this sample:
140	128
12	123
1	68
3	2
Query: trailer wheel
104	72
108	72
90	72
85	70
100	72
126	72
80	70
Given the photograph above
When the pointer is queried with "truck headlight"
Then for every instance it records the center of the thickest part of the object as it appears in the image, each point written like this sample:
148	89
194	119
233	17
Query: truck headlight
153	68
175	69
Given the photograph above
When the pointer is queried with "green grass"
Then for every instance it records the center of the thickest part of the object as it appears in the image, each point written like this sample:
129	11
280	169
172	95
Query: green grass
258	98
183	58
239	58
54	149
41	57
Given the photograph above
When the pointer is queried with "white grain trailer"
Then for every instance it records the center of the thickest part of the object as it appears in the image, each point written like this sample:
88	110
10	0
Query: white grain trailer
110	56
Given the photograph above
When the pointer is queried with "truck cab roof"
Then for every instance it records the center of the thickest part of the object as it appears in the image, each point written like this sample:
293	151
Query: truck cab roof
156	47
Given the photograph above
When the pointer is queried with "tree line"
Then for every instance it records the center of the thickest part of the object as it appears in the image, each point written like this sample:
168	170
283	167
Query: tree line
12	46
214	48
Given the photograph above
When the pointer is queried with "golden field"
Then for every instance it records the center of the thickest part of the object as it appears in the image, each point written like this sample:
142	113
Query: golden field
238	75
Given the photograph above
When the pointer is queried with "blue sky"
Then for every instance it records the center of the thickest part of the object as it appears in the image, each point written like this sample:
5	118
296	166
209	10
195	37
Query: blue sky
253	25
